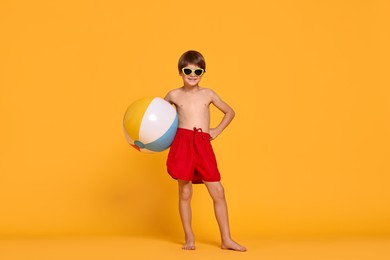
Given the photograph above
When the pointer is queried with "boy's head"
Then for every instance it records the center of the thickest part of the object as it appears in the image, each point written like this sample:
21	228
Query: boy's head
193	58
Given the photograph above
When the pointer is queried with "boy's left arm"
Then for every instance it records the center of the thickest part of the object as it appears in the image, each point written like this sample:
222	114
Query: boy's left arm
227	118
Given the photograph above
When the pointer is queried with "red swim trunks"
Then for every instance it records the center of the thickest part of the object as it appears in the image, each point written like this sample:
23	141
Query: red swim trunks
191	157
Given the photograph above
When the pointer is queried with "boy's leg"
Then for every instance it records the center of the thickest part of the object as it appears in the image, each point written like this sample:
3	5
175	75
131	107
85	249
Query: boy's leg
217	193
185	195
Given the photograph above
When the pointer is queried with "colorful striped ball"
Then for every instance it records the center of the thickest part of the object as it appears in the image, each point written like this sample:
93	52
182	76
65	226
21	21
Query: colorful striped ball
150	124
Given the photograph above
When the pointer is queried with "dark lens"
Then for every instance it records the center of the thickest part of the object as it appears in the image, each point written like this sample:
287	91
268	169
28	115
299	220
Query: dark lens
187	71
198	72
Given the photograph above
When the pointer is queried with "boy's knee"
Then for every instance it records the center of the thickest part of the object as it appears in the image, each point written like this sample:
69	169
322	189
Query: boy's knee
185	194
218	193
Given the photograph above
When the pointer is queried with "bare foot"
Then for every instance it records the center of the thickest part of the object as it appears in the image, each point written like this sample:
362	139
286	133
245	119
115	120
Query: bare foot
189	245
231	245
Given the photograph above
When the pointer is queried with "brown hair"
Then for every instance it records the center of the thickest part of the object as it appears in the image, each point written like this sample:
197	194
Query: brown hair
192	57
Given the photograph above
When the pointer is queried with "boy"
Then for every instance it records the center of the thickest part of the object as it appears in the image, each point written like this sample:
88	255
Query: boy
191	158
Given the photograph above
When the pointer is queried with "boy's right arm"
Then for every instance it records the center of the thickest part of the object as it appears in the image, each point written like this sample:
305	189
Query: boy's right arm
168	97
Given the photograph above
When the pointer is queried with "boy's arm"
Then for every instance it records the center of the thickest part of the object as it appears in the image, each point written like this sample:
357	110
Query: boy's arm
227	118
168	97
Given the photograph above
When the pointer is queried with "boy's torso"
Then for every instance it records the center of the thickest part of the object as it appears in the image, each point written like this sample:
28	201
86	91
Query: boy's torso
193	107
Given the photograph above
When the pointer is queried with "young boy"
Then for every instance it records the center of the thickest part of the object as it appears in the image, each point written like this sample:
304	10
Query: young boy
191	158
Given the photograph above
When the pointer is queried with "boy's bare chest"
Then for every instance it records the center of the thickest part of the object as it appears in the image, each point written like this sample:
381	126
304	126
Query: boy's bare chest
192	102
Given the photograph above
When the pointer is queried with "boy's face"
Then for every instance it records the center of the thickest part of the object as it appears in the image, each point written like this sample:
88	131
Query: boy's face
191	80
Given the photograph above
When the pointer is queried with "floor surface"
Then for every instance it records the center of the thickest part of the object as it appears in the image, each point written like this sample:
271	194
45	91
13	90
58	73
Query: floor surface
139	248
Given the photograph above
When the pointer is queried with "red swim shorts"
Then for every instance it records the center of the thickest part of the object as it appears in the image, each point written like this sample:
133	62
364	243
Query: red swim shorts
191	157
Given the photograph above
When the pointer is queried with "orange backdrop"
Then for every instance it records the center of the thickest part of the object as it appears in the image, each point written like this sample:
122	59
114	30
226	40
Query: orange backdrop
308	152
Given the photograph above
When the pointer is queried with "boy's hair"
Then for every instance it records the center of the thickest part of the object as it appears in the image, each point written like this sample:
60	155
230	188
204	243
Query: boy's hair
192	57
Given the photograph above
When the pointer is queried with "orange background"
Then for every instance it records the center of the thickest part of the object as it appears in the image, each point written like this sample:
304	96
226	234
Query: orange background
308	152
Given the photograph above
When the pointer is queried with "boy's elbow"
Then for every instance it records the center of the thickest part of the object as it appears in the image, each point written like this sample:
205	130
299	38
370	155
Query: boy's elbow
232	113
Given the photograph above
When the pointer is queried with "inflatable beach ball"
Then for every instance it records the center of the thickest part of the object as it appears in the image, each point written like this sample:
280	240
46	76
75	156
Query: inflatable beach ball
150	124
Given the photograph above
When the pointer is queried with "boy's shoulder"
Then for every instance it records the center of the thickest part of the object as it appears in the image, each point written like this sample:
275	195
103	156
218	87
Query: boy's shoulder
174	92
207	90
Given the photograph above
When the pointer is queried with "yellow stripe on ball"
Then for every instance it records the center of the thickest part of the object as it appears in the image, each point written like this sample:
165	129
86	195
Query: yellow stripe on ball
134	115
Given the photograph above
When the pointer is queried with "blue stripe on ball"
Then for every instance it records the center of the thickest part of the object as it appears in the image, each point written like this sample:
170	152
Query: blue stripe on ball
166	139
139	144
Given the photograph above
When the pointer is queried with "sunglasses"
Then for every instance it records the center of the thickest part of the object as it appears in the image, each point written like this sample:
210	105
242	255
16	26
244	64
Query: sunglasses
188	71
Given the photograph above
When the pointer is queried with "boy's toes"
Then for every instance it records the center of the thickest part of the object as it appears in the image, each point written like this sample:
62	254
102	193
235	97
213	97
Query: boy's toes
188	246
231	245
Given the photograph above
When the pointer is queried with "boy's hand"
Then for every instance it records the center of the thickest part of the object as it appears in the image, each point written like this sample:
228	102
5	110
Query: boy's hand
213	133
